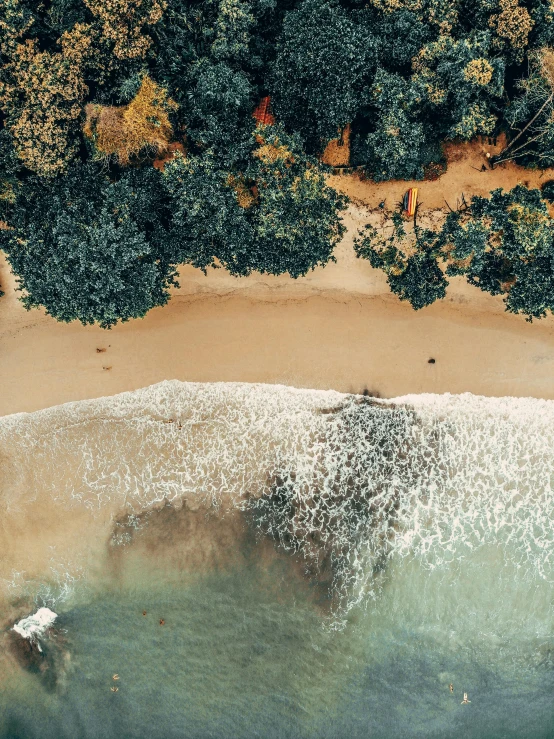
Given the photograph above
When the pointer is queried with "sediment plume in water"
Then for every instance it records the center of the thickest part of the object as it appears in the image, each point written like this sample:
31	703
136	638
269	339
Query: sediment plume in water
347	484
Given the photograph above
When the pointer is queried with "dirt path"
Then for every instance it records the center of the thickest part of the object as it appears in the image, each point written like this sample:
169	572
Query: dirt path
462	177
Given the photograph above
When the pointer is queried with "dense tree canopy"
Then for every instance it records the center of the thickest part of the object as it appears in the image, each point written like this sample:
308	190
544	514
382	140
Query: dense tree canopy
104	256
395	149
278	216
130	82
111	248
320	68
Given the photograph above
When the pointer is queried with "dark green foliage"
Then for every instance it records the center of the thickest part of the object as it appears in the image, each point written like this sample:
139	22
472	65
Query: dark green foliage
218	109
278	216
203	58
401	35
324	58
62	15
296	215
232	31
101	258
208	223
503	244
395	148
512	249
547	191
542	34
412	269
421	283
460	82
406	76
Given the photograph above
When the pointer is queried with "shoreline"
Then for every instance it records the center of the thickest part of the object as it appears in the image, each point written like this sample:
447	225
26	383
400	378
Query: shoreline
338	328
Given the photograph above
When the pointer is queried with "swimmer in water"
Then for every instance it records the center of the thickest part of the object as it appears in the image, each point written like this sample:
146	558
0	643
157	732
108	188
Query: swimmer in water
114	689
465	700
115	677
451	687
162	622
144	613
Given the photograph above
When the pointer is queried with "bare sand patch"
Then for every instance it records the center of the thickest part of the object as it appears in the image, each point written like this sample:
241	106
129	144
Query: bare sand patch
463	176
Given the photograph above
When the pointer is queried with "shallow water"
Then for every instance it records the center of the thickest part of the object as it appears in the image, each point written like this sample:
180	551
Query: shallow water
325	565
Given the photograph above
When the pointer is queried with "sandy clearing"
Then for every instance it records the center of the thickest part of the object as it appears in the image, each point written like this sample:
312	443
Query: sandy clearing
463	176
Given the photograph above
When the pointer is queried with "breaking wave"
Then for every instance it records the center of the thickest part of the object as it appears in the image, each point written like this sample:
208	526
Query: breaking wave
347	483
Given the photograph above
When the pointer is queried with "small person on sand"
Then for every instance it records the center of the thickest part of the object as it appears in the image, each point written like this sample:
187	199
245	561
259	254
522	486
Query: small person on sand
465	700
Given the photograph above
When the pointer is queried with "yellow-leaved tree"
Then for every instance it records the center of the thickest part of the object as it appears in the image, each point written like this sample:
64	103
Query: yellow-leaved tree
124	21
41	92
127	130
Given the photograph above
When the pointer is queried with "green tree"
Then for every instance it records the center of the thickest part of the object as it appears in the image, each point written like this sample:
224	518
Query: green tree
502	244
295	214
324	58
401	33
89	249
232	31
396	147
461	82
276	216
208	222
218	109
410	260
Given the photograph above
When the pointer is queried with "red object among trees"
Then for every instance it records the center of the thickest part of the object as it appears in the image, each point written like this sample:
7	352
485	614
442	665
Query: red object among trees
263	113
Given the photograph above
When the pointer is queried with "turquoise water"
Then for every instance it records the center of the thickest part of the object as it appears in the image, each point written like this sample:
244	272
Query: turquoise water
420	557
244	653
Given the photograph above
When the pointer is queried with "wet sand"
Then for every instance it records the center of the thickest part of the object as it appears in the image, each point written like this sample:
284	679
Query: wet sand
337	328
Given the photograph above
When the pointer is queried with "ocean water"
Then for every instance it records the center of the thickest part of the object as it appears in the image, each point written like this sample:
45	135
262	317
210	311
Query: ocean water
262	561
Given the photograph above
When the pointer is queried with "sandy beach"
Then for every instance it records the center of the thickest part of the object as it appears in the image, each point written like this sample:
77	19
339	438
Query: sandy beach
93	517
337	328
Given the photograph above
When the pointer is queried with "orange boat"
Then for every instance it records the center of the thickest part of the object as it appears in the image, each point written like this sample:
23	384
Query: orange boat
410	202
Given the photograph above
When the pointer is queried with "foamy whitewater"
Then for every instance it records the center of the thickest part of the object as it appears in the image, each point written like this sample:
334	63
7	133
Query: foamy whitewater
35	626
413	537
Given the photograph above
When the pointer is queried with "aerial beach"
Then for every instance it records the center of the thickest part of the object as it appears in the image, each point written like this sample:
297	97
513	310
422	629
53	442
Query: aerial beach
336	328
276	369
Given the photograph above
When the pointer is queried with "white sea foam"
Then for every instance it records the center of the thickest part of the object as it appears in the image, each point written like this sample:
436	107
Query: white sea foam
348	482
34	627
